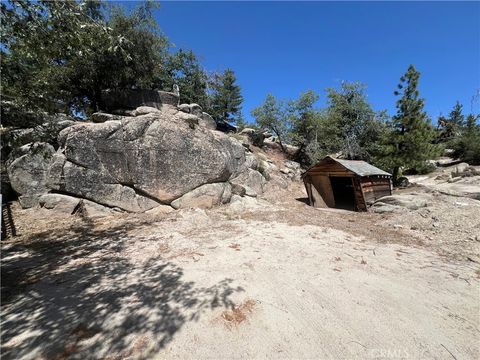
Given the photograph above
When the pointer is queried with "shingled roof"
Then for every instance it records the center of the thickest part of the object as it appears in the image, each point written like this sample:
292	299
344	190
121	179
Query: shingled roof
359	167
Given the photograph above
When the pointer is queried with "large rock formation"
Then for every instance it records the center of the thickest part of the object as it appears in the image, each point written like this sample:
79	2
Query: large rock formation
137	163
28	172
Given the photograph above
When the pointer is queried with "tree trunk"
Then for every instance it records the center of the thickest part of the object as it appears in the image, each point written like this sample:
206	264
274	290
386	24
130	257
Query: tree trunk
395	175
281	145
276	132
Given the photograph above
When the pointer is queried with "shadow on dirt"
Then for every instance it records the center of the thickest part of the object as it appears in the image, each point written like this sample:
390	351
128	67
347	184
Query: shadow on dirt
71	295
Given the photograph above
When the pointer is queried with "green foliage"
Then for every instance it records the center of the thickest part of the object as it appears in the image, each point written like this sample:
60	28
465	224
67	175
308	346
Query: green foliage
467	146
59	56
184	69
356	127
409	141
348	125
240	122
304	120
226	98
451	126
38	38
272	115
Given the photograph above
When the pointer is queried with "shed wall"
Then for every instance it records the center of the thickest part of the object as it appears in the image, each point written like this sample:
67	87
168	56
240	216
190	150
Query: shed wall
323	188
375	188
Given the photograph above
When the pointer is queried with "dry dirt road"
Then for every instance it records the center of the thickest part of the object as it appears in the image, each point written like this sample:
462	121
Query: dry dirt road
274	281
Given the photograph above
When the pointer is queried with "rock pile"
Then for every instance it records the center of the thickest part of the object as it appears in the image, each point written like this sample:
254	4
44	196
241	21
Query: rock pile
263	138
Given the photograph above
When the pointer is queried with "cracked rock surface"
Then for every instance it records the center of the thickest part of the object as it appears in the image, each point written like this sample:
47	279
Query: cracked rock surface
134	163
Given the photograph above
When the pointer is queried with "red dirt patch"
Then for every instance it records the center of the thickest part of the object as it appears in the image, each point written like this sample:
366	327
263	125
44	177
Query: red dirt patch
236	316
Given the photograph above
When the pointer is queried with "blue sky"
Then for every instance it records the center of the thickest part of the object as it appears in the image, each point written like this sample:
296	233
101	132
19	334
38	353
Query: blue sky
284	48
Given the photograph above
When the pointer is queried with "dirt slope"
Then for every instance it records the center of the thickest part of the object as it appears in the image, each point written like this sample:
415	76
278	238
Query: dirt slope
272	278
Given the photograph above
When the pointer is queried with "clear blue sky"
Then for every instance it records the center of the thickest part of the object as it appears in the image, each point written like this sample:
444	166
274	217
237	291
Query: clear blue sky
284	48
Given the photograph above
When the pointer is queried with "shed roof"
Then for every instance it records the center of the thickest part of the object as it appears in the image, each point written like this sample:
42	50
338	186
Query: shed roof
358	167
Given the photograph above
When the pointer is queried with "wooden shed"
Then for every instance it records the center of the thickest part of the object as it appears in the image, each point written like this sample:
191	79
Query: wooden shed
345	184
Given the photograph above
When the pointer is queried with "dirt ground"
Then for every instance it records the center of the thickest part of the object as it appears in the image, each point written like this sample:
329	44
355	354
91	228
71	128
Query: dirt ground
273	279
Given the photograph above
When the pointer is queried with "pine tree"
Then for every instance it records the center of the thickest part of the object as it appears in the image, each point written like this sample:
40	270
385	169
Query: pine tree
226	97
467	145
409	143
450	127
456	116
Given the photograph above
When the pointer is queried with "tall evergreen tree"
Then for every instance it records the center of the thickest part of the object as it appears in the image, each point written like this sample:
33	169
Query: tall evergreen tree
409	143
467	145
456	116
226	98
450	127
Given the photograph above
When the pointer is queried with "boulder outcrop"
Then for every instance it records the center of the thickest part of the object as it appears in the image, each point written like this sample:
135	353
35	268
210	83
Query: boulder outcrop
156	157
205	196
70	205
28	172
250	183
410	201
47	132
136	163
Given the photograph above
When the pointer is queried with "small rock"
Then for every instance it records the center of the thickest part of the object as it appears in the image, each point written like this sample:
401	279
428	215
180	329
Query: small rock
444	177
184	107
251	180
238	189
123	112
196	109
292	165
247	131
160	210
100	117
143	110
460	168
205	196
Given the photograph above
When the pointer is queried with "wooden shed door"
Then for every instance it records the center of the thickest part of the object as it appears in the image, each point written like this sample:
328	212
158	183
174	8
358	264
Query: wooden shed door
342	188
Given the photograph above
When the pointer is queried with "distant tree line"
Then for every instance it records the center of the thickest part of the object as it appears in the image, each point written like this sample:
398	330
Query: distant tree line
350	127
58	56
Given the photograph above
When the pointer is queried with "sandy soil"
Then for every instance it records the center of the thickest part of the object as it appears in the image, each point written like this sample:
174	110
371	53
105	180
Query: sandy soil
276	279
